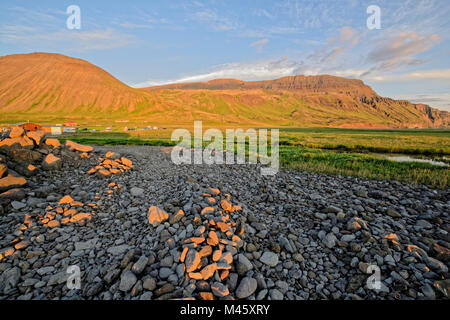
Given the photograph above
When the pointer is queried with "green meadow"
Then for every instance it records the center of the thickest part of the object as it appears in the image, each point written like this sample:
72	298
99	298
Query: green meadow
346	152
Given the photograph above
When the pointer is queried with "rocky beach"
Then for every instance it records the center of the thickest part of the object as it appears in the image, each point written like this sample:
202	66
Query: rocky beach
142	228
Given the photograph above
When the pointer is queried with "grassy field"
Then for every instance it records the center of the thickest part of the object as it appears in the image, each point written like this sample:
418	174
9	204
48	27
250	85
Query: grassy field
347	152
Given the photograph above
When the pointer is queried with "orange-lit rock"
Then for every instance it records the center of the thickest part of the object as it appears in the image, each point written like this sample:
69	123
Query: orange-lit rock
223	226
177	217
81	216
103	173
126	162
205	251
214	191
36	136
236	208
183	254
51	162
213	240
192	260
16	132
156	215
197	240
219	289
217	255
21	245
73	146
11	182
228	257
226	205
115	171
206	295
207	210
70	212
195	275
66	200
53	224
208	271
54	143
224	274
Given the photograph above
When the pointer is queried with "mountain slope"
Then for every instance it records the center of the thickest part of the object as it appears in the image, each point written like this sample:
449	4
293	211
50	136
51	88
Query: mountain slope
41	82
41	87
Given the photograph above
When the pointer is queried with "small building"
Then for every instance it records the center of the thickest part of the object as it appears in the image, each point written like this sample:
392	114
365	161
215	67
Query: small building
53	130
28	126
69	130
71	124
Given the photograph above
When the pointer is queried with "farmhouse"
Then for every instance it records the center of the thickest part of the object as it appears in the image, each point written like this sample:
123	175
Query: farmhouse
69	130
71	124
54	130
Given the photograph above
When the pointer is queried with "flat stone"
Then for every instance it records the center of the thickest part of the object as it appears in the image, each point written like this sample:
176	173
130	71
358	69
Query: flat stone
246	288
140	265
118	250
219	290
269	258
127	281
136	192
73	146
11	182
18	205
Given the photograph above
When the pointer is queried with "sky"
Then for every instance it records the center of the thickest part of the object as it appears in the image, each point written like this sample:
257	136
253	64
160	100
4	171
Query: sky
152	42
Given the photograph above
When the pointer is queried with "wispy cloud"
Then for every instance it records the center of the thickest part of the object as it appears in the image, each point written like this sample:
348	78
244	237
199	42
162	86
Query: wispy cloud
397	48
438	100
47	29
77	41
259	44
216	21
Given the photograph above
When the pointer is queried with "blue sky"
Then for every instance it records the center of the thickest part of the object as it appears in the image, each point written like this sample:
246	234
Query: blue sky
145	43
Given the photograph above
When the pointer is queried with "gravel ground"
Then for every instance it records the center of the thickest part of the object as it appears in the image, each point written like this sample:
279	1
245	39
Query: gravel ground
296	235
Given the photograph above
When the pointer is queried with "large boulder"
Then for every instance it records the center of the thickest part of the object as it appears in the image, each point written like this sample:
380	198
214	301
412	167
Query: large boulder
11	182
27	170
51	162
18	142
73	146
25	155
37	137
16	132
15	194
54	143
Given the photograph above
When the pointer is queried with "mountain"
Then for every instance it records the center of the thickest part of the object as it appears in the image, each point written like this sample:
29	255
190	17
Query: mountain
47	83
51	87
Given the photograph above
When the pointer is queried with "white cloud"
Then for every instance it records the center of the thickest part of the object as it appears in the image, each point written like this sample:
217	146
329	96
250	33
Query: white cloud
256	70
443	74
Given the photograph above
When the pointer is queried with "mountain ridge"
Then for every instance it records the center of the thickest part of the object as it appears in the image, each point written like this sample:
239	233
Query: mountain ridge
42	84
